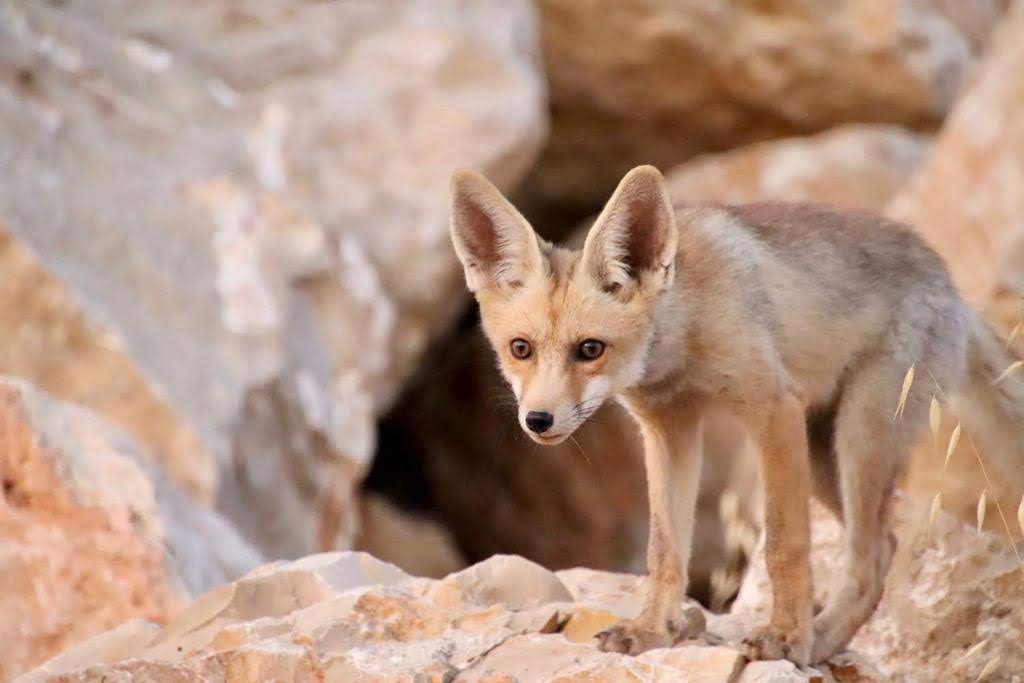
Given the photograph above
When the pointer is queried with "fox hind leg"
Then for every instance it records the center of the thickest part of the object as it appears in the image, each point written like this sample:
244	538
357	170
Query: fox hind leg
870	452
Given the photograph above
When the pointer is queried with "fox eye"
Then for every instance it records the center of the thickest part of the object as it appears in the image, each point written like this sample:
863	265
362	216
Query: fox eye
520	348
589	349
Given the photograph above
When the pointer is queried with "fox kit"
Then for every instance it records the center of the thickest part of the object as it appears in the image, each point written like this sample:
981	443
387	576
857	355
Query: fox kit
798	320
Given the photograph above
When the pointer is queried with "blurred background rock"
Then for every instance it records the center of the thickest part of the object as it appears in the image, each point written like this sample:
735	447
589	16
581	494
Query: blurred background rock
223	231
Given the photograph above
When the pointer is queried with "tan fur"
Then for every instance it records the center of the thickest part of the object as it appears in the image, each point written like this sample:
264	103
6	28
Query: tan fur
797	320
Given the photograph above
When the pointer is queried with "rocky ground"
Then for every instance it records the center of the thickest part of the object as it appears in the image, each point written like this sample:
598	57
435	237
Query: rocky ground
92	544
233	329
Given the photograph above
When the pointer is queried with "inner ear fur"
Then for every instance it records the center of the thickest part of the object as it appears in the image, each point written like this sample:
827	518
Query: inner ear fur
496	245
633	242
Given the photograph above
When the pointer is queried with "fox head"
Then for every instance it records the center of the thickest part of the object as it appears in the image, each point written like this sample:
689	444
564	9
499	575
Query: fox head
570	328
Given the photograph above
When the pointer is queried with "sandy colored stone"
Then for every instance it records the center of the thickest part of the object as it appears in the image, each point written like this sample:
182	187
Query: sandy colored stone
658	82
966	200
349	617
585	624
223	190
944	594
853	166
91	535
777	672
50	340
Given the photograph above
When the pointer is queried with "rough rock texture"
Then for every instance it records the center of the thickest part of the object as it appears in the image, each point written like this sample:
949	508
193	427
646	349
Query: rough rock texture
968	203
87	539
967	199
349	617
947	591
48	338
659	81
855	167
224	189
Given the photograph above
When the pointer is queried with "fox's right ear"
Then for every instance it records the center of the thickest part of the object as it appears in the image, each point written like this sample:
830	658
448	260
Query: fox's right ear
496	245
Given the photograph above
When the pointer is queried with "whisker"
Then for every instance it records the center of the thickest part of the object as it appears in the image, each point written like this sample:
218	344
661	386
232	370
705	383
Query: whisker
585	456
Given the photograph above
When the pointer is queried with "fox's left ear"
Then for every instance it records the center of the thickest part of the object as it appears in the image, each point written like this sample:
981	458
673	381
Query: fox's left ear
633	242
496	245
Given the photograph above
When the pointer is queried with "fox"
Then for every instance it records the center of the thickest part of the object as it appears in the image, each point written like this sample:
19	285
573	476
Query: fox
795	320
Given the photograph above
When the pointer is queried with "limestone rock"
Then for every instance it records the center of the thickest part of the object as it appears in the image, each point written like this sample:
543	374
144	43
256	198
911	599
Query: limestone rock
87	539
854	167
946	592
251	200
348	617
967	200
658	82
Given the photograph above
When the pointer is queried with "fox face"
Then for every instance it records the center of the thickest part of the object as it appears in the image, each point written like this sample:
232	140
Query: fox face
570	328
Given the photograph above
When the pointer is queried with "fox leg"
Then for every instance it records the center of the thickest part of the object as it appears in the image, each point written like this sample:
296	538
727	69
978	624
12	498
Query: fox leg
868	469
785	472
672	455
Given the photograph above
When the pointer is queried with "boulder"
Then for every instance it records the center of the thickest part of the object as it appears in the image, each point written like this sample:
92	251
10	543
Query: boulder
967	199
90	534
347	617
854	167
660	81
950	589
247	206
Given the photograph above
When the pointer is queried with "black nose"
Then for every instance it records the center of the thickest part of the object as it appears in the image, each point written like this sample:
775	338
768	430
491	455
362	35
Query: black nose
539	422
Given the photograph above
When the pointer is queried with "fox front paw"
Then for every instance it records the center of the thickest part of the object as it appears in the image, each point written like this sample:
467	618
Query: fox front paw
635	636
632	638
773	643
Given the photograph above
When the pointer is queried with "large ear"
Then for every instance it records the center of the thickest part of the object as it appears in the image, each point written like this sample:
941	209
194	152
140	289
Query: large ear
494	242
632	244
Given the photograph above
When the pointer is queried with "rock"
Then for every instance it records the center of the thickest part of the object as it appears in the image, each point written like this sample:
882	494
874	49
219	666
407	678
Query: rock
222	191
510	580
50	339
966	200
776	672
854	167
501	620
418	545
87	539
658	82
946	592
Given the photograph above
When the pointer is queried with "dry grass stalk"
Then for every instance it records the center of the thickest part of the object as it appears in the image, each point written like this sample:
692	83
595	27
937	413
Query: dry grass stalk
1012	368
975	649
908	381
991	666
936	506
982	508
954	441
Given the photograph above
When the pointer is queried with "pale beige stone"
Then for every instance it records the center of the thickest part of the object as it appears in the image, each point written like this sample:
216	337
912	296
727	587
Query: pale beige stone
660	81
853	166
946	591
506	619
87	539
252	201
